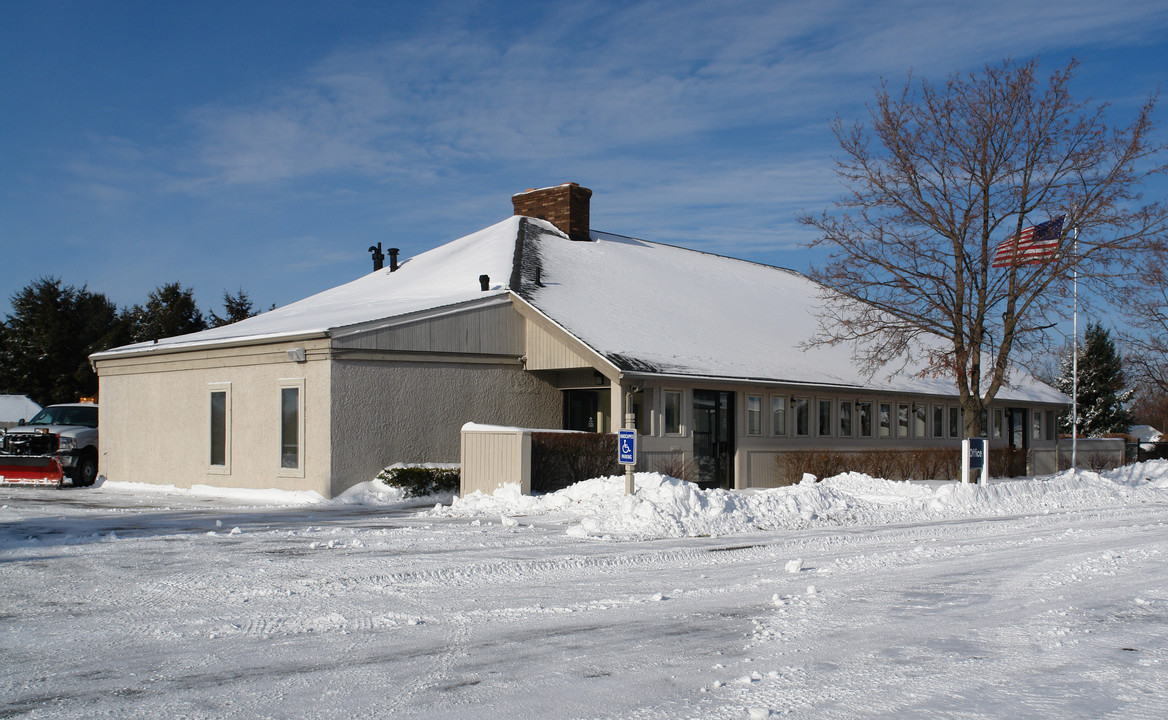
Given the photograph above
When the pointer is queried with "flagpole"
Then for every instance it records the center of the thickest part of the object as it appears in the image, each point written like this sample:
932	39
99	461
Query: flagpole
1075	358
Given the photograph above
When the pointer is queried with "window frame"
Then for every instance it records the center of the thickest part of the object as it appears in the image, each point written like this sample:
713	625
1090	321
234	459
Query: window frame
920	420
861	415
824	423
884	420
298	385
802	415
679	427
841	417
903	421
779	404
754	415
214	389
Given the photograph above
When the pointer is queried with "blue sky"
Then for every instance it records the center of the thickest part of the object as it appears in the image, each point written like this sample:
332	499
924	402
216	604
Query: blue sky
266	145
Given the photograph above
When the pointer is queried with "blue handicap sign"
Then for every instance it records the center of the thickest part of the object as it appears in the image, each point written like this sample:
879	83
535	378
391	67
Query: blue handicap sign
626	441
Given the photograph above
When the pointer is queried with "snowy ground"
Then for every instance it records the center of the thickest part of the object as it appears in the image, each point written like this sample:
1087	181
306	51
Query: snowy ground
849	598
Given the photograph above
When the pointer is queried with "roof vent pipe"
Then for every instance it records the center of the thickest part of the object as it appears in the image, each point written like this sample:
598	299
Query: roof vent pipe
393	259
378	257
484	282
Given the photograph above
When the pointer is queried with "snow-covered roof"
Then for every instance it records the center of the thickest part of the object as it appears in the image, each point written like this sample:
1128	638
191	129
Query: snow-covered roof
646	307
446	275
665	310
14	408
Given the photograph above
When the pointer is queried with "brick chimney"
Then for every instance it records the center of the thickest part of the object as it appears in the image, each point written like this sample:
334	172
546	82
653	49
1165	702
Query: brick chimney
565	206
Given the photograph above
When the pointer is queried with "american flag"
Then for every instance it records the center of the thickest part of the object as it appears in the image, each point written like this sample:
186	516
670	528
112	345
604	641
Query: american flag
1036	245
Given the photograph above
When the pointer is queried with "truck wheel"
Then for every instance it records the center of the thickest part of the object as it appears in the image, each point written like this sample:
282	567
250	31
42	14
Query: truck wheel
86	473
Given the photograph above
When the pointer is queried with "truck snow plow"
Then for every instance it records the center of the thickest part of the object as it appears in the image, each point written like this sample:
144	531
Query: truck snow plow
30	459
59	442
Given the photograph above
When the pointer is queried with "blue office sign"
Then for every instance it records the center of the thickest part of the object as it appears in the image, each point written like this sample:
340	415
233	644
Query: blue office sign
977	453
626	447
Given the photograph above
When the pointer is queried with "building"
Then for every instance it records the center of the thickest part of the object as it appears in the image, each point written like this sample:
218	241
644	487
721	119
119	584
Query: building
536	321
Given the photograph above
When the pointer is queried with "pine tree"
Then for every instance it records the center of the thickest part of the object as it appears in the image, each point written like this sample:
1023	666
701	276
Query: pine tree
170	310
236	307
46	342
1103	391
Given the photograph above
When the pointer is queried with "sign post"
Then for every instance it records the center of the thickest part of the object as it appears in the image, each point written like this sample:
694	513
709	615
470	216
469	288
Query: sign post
975	458
626	449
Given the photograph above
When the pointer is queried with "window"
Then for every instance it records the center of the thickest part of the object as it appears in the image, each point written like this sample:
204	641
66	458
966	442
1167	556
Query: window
845	418
921	418
292	427
938	421
779	416
997	422
754	415
902	424
640	416
954	422
802	417
220	428
672	412
885	420
825	418
864	413
1036	425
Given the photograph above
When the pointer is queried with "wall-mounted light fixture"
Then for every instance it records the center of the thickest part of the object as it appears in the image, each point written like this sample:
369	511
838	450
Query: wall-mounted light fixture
296	354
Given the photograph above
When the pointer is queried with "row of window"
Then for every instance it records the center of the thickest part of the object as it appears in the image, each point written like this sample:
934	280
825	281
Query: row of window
291	427
793	416
829	417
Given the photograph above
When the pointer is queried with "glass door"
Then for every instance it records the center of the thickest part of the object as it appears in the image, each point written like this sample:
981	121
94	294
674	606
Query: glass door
713	418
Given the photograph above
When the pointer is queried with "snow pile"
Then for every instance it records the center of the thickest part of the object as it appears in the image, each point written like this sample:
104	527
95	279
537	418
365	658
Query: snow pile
667	507
265	496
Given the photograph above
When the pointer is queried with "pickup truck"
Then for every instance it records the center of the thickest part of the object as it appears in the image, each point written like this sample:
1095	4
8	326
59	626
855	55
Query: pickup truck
59	441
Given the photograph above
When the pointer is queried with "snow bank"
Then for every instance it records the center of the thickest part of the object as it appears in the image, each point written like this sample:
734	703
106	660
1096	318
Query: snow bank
667	507
266	496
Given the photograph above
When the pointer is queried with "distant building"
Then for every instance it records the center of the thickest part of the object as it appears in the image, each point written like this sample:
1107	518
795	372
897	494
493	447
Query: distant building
14	408
536	321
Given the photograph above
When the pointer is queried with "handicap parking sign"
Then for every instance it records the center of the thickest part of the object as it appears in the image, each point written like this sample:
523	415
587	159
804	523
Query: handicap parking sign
626	441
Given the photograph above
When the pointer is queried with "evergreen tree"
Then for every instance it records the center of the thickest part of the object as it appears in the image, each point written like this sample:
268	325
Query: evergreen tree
236	308
46	342
170	310
1103	390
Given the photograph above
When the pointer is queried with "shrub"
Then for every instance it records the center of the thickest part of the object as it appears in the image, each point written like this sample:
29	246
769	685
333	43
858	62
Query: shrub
919	464
421	481
560	459
676	466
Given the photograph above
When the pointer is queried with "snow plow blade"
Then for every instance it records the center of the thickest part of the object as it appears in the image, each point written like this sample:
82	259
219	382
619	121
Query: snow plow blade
33	470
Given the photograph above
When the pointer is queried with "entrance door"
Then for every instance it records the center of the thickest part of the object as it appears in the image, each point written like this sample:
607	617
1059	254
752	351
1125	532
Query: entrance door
713	413
1017	428
580	410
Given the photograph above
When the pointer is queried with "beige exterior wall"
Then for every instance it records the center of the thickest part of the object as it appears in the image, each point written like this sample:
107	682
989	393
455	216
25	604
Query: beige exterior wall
155	417
493	457
388	410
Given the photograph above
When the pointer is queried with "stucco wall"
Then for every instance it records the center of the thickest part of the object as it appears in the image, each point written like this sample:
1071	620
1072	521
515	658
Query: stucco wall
387	411
155	417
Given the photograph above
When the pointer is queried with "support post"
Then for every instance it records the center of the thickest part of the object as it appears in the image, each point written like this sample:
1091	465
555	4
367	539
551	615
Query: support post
630	424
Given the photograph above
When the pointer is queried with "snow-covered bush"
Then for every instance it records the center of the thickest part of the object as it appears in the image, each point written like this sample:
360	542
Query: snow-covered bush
418	481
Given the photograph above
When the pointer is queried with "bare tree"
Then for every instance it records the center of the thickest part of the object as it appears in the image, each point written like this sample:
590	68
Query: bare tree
1147	317
939	179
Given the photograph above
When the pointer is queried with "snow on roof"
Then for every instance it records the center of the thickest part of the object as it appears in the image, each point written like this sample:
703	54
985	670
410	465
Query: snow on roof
647	307
667	310
446	275
14	408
